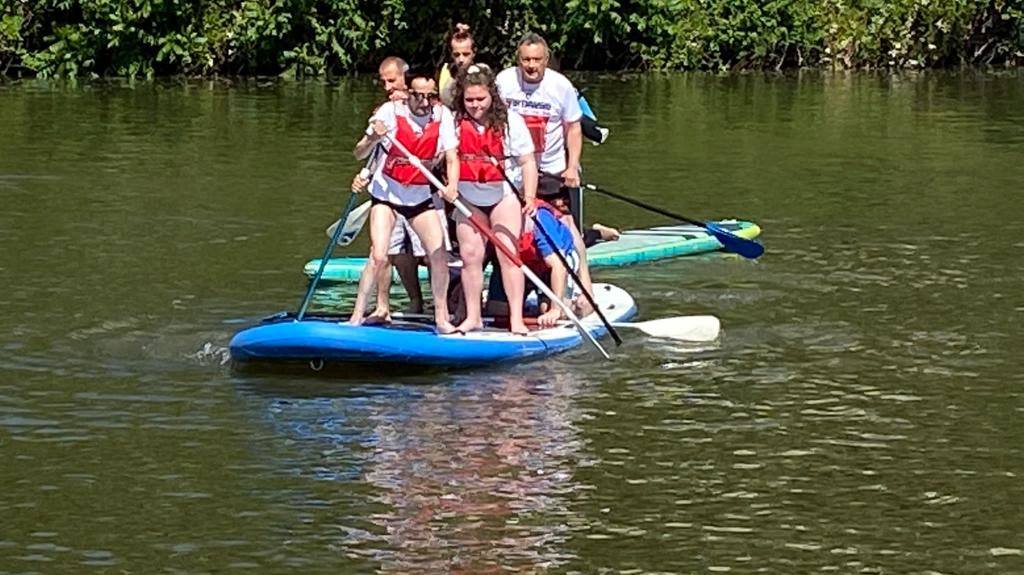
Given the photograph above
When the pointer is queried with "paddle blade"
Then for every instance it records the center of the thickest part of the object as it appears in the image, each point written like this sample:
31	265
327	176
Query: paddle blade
735	244
686	328
353	224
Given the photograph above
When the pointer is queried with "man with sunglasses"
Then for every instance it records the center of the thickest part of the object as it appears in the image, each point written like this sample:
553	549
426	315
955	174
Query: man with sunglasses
426	128
405	251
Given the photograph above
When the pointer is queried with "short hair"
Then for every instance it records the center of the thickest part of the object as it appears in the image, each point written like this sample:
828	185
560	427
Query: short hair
416	74
395	61
532	38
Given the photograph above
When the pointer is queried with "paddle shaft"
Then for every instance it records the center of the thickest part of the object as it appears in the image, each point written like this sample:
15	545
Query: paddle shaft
565	262
323	260
730	241
329	249
485	230
644	205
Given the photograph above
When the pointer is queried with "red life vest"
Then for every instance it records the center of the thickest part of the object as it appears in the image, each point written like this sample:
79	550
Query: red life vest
538	127
476	151
423	146
528	251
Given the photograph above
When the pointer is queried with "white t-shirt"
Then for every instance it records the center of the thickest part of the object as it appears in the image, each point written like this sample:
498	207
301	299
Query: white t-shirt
516	142
552	99
387	189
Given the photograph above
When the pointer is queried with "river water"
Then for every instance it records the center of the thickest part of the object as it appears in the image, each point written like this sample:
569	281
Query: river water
861	413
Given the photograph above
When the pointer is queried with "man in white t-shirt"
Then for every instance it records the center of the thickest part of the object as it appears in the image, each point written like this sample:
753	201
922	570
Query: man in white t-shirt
548	102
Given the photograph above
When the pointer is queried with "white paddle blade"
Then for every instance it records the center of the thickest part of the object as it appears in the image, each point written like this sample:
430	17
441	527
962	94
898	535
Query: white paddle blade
353	224
687	328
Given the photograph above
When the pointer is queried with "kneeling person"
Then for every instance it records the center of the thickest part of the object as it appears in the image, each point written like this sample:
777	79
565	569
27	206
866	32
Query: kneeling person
539	255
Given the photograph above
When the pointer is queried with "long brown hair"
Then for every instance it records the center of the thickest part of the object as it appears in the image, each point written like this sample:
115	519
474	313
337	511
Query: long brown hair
481	75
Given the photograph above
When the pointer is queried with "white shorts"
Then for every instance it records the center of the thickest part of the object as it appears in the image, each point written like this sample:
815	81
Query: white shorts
404	240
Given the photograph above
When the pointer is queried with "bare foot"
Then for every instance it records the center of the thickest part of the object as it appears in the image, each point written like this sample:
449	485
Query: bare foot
468	326
378	317
446	328
519	328
549	318
607	234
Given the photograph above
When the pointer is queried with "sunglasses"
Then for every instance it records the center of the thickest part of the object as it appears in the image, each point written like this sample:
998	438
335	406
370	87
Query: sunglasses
425	95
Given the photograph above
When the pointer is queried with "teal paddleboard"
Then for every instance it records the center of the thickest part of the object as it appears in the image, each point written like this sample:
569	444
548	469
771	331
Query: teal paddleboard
633	247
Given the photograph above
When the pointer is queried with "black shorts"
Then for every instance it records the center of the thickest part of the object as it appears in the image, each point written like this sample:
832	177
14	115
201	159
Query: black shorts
407	212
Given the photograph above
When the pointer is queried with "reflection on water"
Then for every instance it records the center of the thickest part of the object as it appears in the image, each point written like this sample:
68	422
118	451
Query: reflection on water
471	476
860	413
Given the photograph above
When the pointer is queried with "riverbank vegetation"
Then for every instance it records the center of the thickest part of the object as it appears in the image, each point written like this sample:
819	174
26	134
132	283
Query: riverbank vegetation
145	38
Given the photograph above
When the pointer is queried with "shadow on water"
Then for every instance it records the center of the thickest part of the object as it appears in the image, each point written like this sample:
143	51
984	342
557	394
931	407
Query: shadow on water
352	372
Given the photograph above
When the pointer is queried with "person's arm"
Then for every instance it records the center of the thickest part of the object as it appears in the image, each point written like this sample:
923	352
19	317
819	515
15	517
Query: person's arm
528	169
448	140
574	144
371	139
451	190
382	121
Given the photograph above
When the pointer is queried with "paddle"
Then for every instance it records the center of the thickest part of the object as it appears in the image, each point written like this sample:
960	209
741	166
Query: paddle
327	255
688	328
353	224
730	241
684	327
513	257
356	219
561	257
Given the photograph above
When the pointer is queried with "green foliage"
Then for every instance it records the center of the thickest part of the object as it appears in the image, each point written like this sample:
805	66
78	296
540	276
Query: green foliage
144	38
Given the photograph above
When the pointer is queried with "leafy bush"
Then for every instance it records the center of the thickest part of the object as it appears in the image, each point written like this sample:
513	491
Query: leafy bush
144	38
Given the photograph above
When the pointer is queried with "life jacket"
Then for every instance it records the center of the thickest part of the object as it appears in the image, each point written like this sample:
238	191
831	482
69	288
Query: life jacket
528	251
538	127
476	151
423	146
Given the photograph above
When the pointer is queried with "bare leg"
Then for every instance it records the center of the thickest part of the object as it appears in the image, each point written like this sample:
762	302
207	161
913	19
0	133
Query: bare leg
382	220
471	248
382	313
408	271
383	281
507	223
428	228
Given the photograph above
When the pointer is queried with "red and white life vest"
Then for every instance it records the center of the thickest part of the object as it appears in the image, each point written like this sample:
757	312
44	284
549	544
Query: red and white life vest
423	146
476	151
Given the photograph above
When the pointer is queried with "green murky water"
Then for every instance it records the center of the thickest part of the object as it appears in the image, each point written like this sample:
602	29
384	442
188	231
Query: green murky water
861	413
